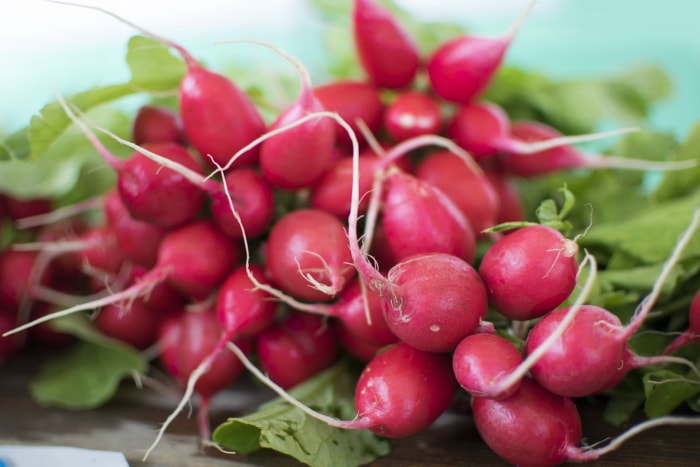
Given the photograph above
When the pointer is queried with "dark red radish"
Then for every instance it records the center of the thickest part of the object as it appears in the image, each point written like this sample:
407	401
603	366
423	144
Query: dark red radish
135	323
462	68
387	52
9	344
296	348
100	257
692	334
194	259
332	192
157	124
532	428
510	204
44	335
481	360
253	200
472	192
419	218
307	255
298	157
137	240
529	272
412	113
362	350
19	208
162	298
353	100
19	277
565	156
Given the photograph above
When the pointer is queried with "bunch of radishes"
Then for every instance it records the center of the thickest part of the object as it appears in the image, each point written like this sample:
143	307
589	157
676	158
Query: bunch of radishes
223	228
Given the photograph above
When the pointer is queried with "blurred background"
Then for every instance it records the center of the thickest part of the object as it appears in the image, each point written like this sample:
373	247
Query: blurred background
48	47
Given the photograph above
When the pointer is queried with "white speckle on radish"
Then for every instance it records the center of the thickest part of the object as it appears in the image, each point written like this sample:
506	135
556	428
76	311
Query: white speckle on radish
435	328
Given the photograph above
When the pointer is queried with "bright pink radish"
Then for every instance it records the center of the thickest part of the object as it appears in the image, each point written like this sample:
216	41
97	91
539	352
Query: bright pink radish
135	323
564	156
529	272
298	157
532	428
244	310
332	192
692	334
296	348
387	53
157	124
481	359
470	191
419	218
253	199
185	342
482	128
307	255
137	240
462	68
412	113
352	100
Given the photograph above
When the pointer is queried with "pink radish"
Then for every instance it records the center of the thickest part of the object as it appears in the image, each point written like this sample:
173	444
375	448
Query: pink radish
692	334
157	124
472	192
562	157
535	428
462	68
296	348
412	113
353	101
307	255
594	348
537	259
385	49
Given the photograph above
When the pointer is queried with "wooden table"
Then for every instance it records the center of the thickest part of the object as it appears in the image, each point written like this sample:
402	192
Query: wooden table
128	424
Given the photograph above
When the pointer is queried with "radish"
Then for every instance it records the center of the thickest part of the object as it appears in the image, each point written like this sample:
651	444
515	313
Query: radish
462	68
297	158
136	324
400	392
510	204
594	349
17	209
352	100
537	259
537	428
692	334
472	192
387	53
412	113
9	345
296	348
357	348
194	259
20	275
217	116
565	156
157	124
307	255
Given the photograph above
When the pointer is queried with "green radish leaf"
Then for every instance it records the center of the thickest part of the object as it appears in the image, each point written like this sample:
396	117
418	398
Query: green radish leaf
666	390
279	426
153	67
682	182
87	375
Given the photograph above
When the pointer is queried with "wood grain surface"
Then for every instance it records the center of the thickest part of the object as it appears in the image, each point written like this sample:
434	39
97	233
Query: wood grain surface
128	424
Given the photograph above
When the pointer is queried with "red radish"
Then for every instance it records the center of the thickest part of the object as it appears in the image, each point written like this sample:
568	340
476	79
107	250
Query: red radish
692	334
298	157
565	156
462	68
360	349
470	191
537	259
307	255
296	348
135	323
353	101
332	192
510	204
186	341
481	359
9	345
387	53
593	350
157	124
100	257
17	277
162	297
412	113
419	218
44	335
400	392
17	208
137	240
535	428
253	199
194	259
